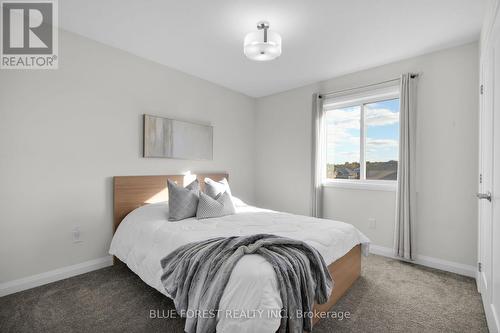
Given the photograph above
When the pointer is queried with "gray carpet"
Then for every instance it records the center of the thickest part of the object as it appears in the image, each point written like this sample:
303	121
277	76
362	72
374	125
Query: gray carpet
390	296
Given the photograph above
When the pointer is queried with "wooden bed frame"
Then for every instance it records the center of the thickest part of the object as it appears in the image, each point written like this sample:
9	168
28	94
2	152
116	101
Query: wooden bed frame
131	192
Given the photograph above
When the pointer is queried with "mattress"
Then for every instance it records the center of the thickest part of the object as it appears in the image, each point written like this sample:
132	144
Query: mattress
145	236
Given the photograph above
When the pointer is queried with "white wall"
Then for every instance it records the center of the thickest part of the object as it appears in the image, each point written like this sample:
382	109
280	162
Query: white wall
65	133
447	131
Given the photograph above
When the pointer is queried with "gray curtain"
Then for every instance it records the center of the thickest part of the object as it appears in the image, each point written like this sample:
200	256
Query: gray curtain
404	237
318	158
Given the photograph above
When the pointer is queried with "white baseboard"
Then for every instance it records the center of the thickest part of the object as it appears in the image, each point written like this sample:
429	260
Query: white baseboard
29	282
441	264
491	318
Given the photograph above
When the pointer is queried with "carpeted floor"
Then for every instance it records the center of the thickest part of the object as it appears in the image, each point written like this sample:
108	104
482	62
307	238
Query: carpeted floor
390	296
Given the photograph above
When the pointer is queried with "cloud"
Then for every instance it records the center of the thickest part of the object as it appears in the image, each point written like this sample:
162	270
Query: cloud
343	131
381	142
344	124
380	117
347	118
376	145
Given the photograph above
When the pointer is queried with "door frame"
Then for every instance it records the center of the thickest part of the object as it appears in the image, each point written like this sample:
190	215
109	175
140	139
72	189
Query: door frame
489	101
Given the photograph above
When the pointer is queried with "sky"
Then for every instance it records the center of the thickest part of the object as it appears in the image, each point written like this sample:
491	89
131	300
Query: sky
382	132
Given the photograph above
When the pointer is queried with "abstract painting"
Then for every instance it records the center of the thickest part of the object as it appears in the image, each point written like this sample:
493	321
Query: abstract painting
171	138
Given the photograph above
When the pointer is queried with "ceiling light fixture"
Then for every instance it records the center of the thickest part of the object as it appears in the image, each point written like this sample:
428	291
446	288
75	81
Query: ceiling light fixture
262	45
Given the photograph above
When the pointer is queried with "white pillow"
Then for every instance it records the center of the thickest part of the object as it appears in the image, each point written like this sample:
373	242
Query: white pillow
213	188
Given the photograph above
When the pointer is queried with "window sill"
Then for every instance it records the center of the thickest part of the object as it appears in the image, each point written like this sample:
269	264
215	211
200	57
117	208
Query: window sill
372	185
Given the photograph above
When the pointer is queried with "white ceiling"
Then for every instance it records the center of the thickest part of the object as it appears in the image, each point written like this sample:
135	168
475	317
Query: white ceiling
321	38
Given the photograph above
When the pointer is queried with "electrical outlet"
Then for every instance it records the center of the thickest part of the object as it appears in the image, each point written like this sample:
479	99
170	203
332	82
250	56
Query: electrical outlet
77	235
372	223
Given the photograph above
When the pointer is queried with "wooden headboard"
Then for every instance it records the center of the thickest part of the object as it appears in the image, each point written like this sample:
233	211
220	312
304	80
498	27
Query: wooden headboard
131	192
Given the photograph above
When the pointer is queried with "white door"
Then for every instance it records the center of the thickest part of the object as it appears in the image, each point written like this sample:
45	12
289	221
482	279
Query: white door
485	177
495	202
489	166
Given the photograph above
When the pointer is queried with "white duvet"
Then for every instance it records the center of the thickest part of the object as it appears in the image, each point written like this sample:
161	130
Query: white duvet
145	236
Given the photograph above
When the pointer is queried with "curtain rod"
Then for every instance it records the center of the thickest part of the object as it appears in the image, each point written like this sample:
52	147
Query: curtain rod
366	86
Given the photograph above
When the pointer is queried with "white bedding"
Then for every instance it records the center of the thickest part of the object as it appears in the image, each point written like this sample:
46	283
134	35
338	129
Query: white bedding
145	236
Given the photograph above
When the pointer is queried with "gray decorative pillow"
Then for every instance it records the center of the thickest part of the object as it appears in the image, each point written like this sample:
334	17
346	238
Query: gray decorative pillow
182	201
213	188
208	207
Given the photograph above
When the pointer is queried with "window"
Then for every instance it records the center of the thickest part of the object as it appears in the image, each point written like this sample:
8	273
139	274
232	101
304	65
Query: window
362	137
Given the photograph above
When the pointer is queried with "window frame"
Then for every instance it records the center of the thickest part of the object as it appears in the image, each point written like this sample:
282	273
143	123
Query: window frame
359	99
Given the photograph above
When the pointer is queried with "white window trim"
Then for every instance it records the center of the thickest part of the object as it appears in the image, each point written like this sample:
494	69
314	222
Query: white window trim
354	99
373	185
367	97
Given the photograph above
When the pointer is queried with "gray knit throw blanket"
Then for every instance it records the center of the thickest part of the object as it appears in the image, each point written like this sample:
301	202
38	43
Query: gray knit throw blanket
196	274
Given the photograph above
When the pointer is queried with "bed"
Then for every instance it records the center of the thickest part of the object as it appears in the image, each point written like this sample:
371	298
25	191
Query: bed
143	236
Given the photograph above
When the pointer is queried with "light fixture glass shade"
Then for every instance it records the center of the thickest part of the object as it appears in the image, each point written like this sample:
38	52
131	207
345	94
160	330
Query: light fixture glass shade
256	48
